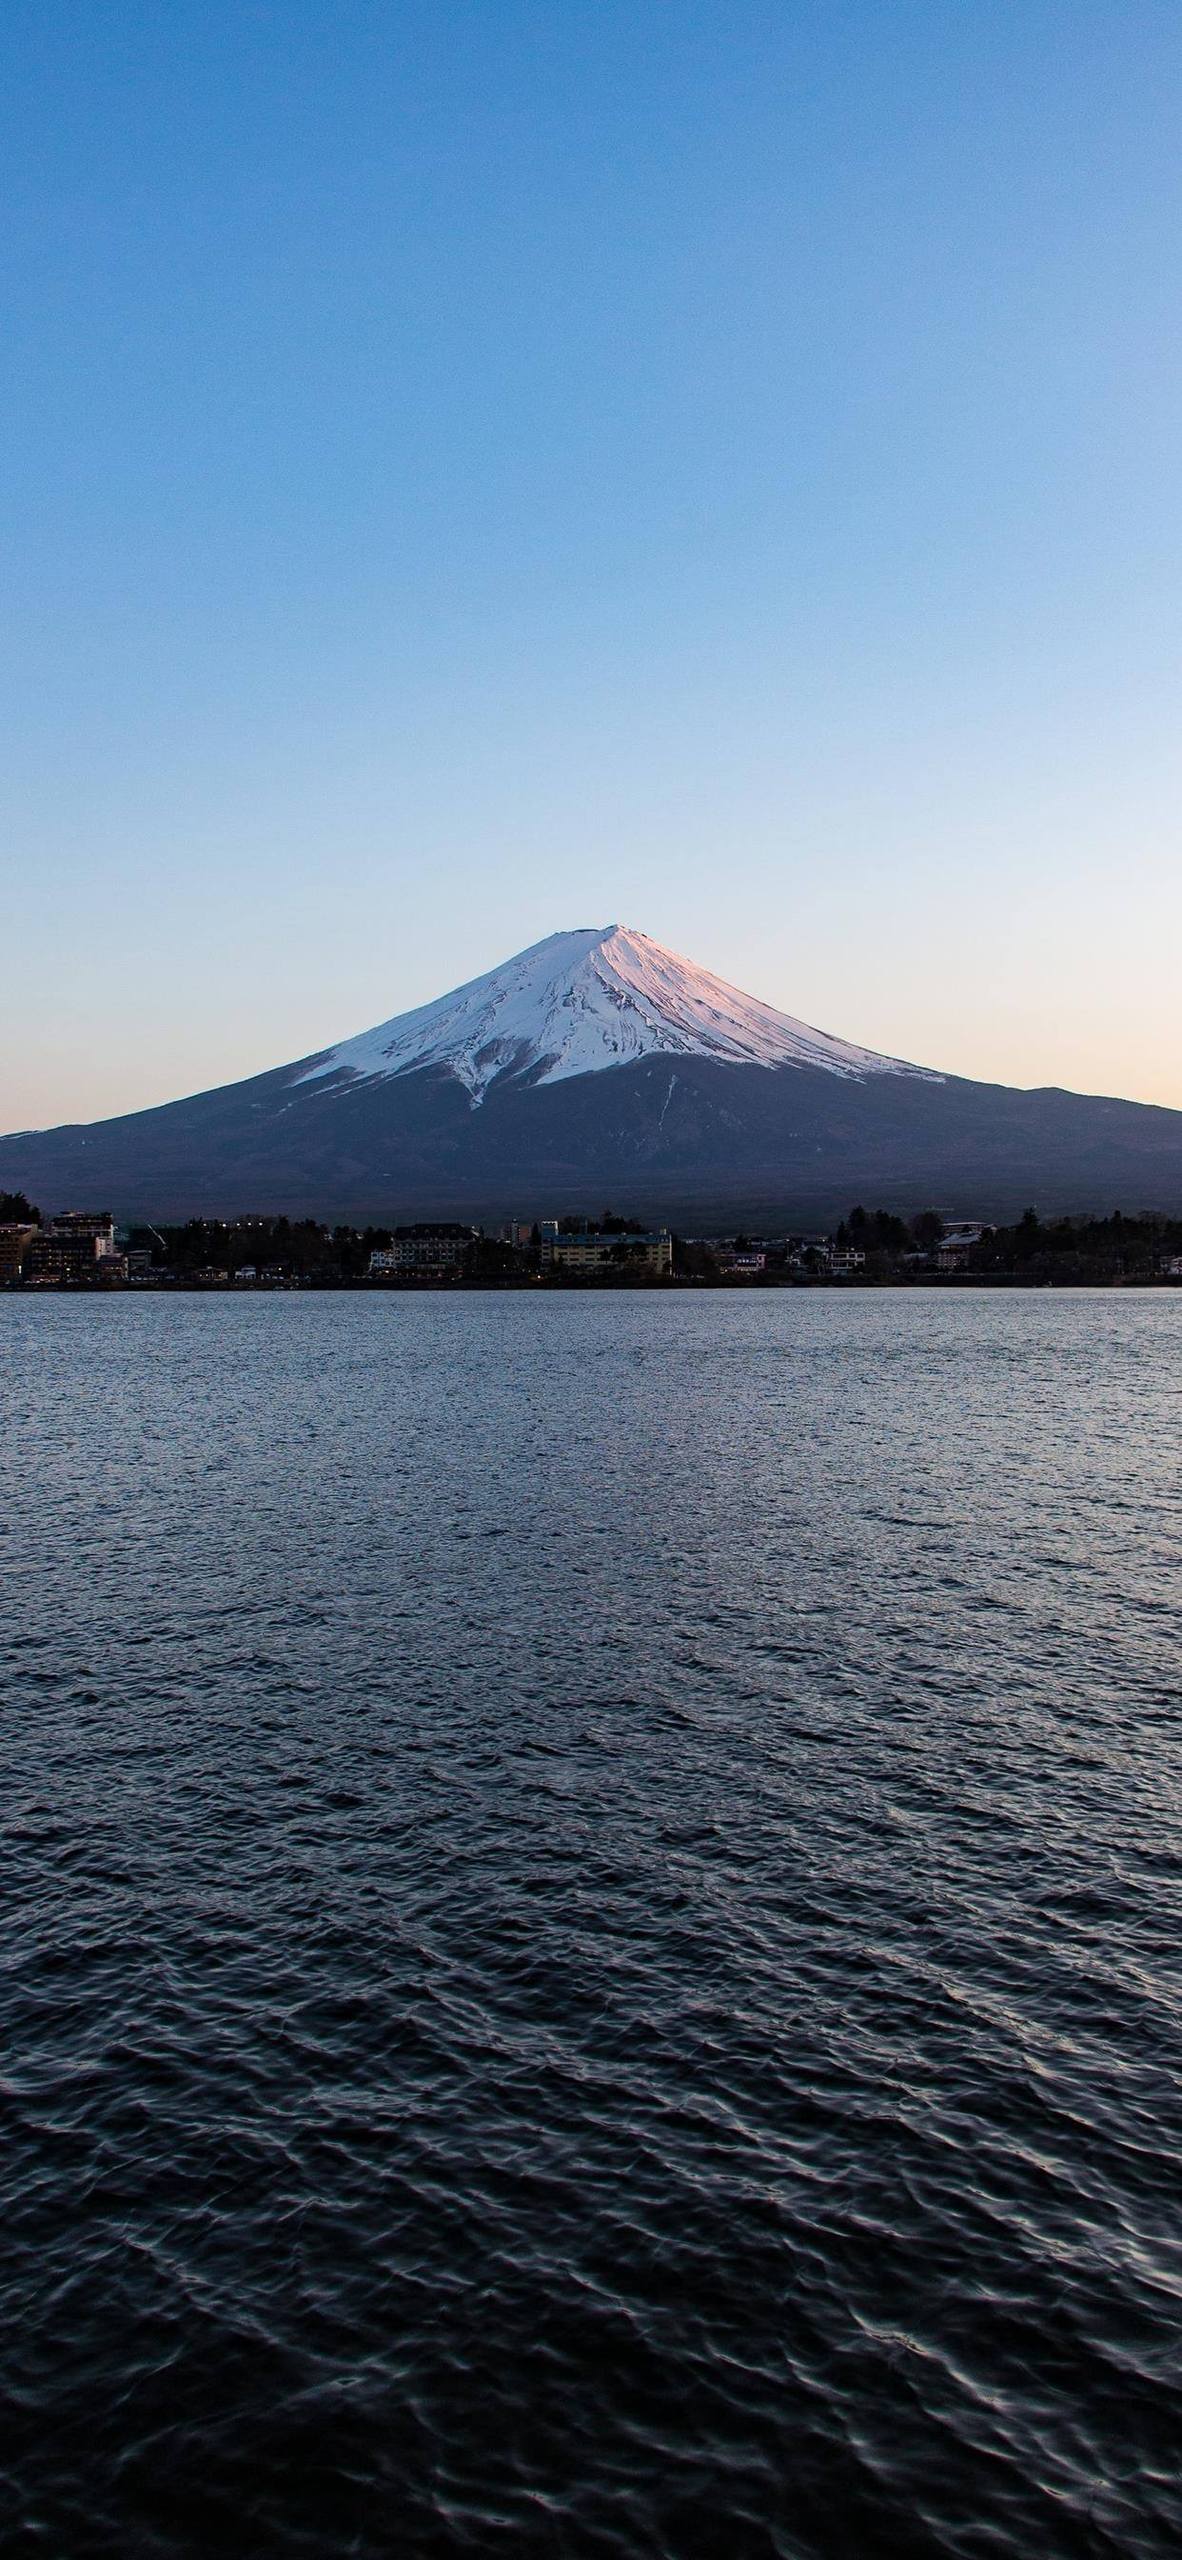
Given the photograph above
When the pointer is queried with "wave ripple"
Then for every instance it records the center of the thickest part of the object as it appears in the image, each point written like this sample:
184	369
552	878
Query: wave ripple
591	1923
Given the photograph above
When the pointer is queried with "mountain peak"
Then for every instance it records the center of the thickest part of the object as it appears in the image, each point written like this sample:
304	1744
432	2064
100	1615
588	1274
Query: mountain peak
735	1115
582	1001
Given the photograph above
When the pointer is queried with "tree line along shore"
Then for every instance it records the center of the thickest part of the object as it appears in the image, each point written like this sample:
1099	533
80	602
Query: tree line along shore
867	1249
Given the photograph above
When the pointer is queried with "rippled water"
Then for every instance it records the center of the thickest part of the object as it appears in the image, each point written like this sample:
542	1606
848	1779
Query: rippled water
592	1924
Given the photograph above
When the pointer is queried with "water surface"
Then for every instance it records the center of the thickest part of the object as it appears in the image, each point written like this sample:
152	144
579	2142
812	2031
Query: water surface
592	1918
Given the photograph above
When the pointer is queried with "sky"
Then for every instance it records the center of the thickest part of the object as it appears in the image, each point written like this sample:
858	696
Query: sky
469	470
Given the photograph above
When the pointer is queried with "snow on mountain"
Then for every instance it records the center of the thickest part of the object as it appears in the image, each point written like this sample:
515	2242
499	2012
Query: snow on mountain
579	1002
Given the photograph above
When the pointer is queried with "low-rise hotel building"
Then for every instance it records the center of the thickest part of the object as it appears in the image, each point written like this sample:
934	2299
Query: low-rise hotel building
432	1250
598	1251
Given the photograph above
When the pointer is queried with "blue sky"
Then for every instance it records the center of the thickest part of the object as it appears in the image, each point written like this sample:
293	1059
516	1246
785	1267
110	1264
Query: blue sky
474	470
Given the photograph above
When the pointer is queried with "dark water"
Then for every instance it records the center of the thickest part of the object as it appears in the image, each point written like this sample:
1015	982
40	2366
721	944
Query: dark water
592	1925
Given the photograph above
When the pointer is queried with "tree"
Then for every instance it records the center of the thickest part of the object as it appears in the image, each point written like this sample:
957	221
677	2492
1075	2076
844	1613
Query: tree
17	1211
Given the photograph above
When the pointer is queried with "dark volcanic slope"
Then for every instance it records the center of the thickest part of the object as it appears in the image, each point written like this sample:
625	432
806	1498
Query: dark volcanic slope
687	1139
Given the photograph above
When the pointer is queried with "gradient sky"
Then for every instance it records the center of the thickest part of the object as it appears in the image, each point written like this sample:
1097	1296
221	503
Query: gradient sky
473	470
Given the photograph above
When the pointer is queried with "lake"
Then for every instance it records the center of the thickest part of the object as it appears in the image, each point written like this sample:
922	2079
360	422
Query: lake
592	1937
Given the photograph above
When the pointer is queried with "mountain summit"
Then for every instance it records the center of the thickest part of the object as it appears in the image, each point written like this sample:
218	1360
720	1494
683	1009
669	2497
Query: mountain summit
582	1001
595	1067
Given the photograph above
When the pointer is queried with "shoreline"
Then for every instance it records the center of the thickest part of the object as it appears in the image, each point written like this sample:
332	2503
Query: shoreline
678	1285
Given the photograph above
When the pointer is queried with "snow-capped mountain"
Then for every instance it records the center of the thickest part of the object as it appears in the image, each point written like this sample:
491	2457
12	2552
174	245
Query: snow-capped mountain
598	1067
582	1001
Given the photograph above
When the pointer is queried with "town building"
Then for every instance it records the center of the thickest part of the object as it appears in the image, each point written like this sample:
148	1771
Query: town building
15	1240
52	1259
97	1225
956	1244
433	1251
597	1251
807	1253
77	1244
